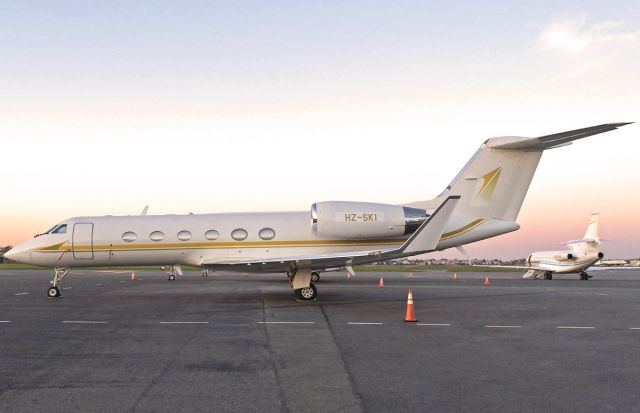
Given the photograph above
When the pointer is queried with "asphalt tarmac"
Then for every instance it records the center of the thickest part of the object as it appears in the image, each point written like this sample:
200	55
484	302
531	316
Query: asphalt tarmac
242	343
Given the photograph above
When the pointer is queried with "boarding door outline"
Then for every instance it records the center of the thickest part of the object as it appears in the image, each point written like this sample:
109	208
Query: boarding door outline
82	241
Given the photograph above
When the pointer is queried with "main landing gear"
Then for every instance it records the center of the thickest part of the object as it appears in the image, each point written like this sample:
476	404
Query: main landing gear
315	276
205	272
548	275
307	294
584	276
300	280
54	290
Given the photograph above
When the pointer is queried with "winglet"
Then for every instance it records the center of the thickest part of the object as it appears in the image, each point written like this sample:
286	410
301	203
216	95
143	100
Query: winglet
144	210
426	237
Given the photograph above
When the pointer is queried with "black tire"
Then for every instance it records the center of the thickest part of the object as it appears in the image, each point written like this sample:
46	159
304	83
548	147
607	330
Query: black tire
315	277
53	292
172	277
307	294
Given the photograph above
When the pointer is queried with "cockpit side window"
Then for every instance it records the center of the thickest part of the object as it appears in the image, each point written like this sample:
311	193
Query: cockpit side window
50	230
62	229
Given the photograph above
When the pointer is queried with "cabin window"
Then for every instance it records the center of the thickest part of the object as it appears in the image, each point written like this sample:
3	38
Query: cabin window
239	234
184	235
129	236
62	229
212	234
156	236
267	233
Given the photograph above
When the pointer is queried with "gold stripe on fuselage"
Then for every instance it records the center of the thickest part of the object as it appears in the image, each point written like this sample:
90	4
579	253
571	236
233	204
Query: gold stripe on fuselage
61	247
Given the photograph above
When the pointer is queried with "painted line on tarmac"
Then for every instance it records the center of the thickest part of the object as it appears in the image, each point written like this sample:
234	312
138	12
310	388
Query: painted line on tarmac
22	293
5	321
634	328
99	284
184	322
601	294
122	282
363	324
434	324
67	288
83	322
286	322
503	326
576	327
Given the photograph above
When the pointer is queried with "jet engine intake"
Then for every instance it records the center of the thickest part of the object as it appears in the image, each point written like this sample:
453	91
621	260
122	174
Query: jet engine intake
363	220
564	257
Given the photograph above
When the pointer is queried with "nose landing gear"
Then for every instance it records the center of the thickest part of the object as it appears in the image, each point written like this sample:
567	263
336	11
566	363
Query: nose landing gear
58	275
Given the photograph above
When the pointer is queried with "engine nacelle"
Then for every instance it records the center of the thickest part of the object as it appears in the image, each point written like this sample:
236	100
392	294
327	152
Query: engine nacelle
564	257
362	220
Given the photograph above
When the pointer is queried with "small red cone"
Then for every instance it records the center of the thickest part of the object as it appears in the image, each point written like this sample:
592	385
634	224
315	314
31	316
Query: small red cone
486	281
411	314
133	276
381	284
455	276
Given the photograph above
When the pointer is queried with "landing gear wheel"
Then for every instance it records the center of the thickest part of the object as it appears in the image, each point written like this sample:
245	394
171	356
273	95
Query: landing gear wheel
308	293
172	277
548	276
205	273
315	277
584	276
53	292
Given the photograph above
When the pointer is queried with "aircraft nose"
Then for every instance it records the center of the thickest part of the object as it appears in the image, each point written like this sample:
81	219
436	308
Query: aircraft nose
15	254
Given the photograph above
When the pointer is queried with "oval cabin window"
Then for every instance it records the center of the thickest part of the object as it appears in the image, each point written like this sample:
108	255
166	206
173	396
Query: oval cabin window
156	236
129	236
239	234
184	235
211	234
267	233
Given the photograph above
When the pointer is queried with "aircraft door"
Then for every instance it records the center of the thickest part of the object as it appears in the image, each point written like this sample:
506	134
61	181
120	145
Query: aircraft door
82	241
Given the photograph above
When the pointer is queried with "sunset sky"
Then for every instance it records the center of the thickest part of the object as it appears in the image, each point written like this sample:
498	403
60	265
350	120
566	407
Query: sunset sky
106	107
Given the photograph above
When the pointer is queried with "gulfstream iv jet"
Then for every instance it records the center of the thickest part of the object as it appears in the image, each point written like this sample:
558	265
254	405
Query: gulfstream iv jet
482	201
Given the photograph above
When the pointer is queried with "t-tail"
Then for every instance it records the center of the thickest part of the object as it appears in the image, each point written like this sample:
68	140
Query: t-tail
495	181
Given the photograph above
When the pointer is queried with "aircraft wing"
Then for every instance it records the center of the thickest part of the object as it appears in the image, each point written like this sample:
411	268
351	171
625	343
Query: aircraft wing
424	240
559	139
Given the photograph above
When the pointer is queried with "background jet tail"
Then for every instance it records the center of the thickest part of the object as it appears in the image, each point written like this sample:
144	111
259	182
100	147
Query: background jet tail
592	230
495	181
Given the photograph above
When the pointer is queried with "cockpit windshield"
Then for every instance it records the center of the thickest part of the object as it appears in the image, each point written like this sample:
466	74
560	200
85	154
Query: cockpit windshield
50	229
62	229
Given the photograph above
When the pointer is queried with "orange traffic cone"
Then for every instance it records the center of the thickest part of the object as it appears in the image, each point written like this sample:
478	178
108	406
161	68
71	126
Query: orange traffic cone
486	281
411	314
455	276
381	284
133	276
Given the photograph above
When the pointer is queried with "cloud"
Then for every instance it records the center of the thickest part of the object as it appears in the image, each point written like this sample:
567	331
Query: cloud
575	36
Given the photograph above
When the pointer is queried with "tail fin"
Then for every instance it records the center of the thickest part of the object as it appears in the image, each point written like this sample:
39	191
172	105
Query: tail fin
495	181
592	230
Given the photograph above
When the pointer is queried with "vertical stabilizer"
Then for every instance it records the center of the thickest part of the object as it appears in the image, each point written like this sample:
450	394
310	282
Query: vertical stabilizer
592	229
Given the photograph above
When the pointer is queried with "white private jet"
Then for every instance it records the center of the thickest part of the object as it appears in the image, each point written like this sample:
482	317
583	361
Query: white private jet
580	255
482	201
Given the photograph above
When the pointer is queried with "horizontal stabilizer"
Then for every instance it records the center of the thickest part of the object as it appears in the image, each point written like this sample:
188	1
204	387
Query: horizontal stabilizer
559	139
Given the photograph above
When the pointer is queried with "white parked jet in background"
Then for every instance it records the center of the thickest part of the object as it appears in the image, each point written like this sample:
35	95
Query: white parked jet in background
580	255
482	201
